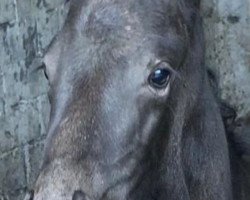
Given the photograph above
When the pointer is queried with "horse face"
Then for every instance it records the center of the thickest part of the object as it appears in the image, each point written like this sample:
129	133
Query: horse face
119	73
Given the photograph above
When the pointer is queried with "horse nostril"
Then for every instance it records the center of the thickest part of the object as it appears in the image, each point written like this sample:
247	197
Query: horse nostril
79	195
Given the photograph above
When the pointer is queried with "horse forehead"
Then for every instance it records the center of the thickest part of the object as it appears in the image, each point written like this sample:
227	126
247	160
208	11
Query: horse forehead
106	28
120	13
111	22
115	19
111	14
101	24
101	13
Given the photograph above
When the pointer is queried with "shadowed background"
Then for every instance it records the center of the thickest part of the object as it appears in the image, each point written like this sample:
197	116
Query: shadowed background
27	27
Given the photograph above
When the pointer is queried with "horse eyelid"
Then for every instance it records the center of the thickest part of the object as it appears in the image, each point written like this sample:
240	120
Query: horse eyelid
174	73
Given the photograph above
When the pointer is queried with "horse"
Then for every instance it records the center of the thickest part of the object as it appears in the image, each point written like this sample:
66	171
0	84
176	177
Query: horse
133	114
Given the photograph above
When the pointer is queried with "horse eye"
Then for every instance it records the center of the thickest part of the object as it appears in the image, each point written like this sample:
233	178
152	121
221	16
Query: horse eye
159	78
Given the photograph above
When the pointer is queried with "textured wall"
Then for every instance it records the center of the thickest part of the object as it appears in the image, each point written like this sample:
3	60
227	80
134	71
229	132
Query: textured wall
227	30
27	27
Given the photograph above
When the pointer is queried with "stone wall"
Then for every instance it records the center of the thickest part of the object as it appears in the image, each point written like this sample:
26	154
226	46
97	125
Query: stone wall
27	27
227	30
